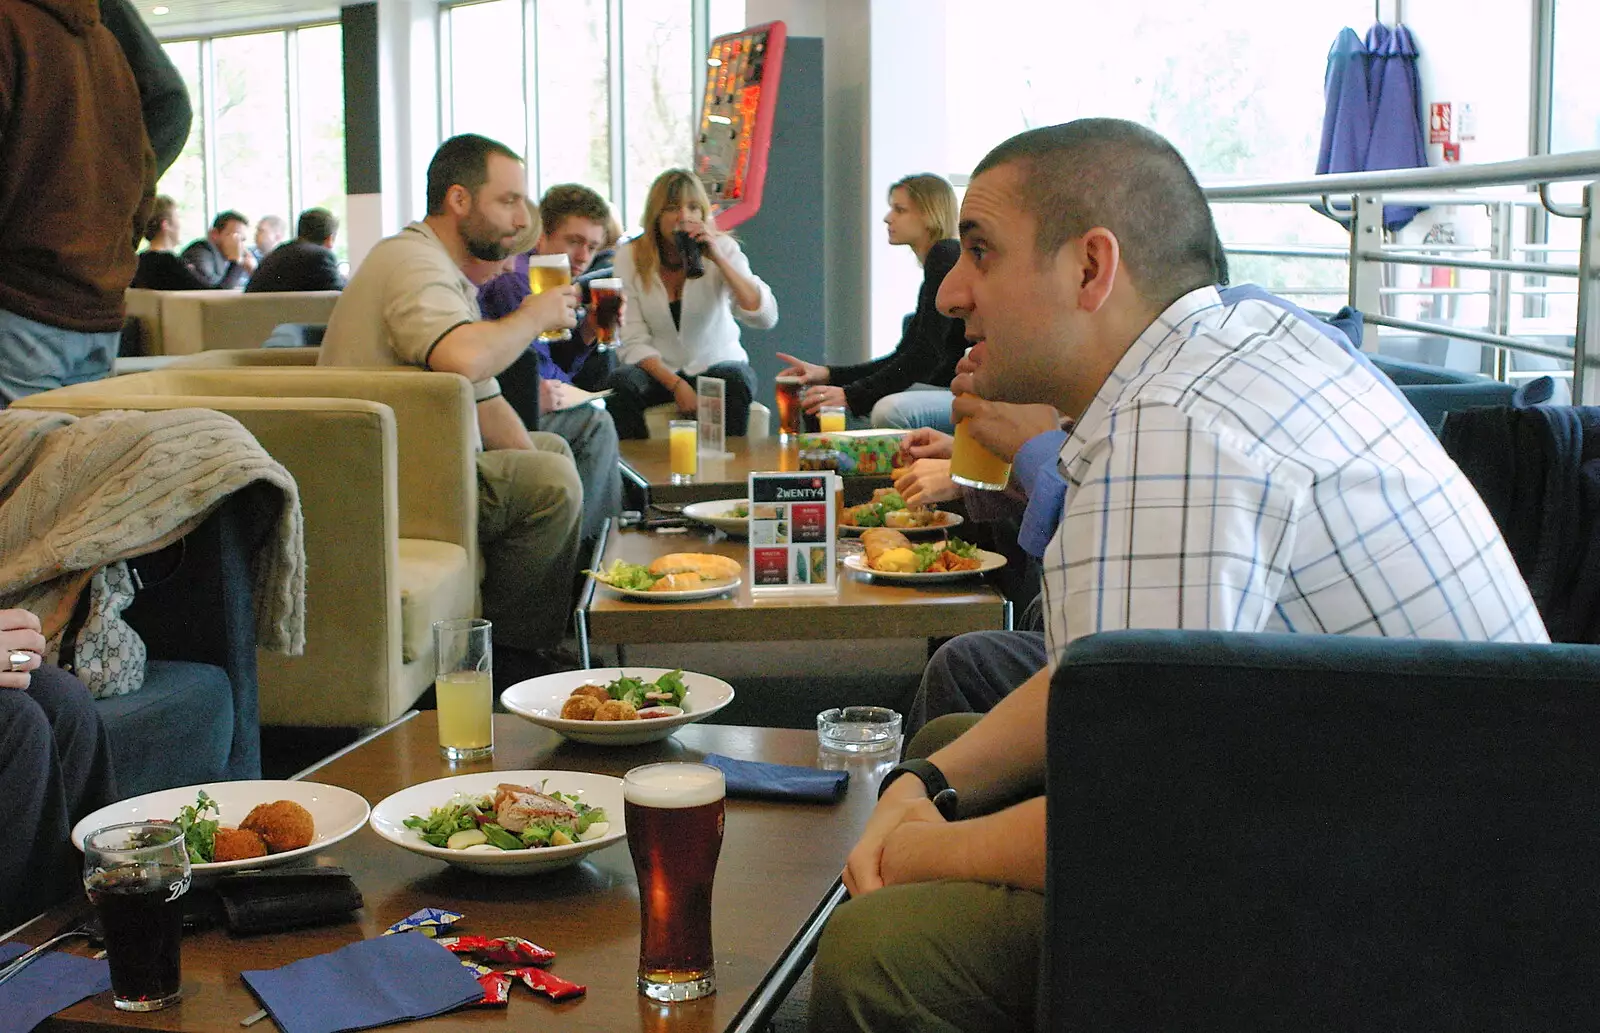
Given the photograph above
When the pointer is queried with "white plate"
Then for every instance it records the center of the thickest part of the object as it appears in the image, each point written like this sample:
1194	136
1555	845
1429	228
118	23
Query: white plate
388	818
338	814
687	595
988	561
936	531
540	699
719	514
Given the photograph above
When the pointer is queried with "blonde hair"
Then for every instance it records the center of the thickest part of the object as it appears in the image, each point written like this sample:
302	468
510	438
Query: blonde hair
525	240
674	188
934	199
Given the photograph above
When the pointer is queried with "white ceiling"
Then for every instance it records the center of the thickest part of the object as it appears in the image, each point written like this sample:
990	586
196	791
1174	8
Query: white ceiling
197	17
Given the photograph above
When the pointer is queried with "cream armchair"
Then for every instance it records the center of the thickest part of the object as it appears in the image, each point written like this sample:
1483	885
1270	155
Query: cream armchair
384	461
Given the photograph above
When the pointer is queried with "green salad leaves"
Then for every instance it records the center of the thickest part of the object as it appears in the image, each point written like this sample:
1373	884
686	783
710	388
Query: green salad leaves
476	813
199	832
622	574
667	689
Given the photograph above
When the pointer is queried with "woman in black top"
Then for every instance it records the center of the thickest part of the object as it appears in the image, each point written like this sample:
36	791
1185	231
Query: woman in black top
922	216
160	269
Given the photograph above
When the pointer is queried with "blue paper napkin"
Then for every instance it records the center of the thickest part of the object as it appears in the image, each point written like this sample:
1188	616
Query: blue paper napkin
754	779
371	983
55	981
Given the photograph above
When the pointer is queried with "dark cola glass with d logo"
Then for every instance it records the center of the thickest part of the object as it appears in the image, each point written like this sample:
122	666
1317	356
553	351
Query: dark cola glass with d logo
136	875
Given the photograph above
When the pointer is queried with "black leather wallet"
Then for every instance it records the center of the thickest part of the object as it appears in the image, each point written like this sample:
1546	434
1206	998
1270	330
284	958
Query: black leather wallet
286	898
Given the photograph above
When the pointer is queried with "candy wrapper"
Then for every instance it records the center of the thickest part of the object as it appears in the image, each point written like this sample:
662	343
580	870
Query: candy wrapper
504	950
542	982
496	985
430	921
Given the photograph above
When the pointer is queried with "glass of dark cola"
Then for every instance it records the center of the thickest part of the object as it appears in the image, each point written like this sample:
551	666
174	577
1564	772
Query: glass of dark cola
136	875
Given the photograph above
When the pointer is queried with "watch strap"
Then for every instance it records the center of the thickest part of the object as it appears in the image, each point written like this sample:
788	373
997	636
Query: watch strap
933	783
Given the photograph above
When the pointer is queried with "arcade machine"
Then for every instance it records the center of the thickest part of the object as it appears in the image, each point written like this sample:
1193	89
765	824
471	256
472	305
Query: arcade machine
744	134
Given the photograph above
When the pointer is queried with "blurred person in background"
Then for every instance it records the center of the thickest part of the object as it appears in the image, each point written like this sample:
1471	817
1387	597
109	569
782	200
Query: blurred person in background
159	267
270	231
306	263
220	258
679	327
905	388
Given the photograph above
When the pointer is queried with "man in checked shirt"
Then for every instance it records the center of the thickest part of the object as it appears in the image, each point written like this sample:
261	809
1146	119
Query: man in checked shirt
1230	467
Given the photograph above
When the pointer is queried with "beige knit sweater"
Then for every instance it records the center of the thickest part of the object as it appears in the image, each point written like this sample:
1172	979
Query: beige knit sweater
77	494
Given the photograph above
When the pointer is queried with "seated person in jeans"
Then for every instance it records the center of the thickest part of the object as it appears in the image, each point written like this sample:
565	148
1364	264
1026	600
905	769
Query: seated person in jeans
905	388
677	328
1229	468
571	219
410	303
55	768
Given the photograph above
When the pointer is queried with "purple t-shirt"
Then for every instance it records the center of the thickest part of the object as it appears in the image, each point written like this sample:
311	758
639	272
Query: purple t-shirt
503	295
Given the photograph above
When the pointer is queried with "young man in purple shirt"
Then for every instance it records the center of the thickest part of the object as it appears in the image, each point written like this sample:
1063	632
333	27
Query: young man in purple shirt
575	220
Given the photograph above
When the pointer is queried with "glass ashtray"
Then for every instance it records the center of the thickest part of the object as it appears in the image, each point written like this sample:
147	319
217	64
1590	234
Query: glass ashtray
858	729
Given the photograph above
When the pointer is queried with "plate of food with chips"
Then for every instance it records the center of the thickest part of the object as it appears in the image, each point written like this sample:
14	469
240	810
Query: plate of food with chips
888	555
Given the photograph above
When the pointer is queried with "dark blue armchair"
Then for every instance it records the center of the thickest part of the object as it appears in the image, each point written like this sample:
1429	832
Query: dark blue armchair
1296	832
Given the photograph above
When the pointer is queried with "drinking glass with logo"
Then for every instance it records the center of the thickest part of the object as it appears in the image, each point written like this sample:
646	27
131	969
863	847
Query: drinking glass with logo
135	875
674	816
546	272
789	412
975	466
605	296
464	687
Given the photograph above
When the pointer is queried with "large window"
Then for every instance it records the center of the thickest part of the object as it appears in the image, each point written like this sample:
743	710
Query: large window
268	130
540	76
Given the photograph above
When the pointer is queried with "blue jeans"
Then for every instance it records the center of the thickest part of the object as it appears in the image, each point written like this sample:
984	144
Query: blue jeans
921	406
35	357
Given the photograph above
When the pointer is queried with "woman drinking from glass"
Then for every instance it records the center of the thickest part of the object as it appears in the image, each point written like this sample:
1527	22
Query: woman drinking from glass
688	287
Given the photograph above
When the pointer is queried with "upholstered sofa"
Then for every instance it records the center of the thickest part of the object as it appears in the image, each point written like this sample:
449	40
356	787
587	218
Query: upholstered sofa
185	322
195	720
388	484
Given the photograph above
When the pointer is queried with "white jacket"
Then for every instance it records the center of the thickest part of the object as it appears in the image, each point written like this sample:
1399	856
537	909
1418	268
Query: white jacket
709	334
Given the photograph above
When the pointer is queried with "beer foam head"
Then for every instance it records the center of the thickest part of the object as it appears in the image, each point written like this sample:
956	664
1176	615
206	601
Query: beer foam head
608	283
556	261
673	785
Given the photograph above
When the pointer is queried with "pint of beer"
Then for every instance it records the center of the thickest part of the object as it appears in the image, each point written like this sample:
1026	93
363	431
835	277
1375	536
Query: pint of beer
975	466
674	815
545	272
605	297
789	412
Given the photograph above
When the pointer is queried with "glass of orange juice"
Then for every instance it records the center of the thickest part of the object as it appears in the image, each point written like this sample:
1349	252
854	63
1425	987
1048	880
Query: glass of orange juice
683	443
975	466
831	418
464	687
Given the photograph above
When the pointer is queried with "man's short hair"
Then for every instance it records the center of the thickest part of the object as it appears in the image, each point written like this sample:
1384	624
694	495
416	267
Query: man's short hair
316	225
223	218
565	200
1128	179
161	210
462	161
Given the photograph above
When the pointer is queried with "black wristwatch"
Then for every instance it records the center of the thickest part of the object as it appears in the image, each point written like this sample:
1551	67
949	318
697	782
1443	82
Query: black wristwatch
933	780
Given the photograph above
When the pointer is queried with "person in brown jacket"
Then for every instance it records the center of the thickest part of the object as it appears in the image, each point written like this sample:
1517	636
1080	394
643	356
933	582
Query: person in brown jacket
77	177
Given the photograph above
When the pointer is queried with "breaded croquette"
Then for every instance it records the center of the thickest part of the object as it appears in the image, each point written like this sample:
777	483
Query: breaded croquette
616	710
237	844
579	708
597	691
284	825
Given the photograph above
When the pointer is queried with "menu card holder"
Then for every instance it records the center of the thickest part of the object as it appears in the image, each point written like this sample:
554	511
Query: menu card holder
792	527
712	407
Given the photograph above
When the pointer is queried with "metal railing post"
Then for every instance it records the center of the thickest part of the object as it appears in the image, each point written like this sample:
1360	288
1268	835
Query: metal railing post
1366	270
1501	217
1586	341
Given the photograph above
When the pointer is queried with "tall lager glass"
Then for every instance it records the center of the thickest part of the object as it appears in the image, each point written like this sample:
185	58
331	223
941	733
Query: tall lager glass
544	273
674	815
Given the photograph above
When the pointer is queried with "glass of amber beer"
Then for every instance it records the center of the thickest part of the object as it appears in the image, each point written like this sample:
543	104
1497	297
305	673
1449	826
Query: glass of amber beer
975	466
673	813
544	273
605	295
789	414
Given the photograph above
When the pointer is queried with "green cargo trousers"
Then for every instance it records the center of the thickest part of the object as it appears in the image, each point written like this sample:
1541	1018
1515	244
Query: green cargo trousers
530	504
946	956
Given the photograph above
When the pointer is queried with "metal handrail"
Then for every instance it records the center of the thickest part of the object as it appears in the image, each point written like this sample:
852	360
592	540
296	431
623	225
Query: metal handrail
1545	168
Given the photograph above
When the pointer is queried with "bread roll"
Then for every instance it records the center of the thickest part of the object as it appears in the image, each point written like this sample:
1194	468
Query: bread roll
879	540
678	581
708	565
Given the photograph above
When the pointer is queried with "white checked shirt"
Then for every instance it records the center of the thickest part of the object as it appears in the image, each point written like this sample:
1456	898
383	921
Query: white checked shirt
1238	471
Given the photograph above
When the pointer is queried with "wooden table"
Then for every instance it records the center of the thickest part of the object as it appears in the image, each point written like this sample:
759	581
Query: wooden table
779	860
646	464
862	608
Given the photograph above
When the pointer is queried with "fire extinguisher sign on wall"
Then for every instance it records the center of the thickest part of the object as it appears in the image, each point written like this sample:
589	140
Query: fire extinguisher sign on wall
1439	122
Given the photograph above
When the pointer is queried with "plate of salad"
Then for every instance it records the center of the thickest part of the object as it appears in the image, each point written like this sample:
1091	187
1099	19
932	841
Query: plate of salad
662	701
505	822
201	810
888	509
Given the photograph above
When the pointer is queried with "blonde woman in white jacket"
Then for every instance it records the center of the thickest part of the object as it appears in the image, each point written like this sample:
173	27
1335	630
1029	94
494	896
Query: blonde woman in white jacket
678	328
